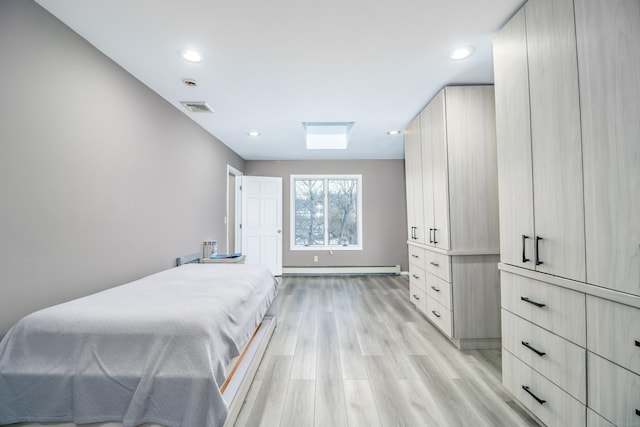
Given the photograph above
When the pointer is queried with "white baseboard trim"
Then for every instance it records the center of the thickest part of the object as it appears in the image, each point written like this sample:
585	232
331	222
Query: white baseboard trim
318	271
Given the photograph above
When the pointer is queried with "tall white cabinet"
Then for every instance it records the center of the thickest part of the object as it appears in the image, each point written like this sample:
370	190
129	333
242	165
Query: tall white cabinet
450	160
568	138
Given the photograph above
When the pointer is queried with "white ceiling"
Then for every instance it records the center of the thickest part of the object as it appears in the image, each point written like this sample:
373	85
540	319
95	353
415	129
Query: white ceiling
271	65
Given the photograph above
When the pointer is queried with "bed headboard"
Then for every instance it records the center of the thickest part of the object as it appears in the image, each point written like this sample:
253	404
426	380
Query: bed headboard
189	259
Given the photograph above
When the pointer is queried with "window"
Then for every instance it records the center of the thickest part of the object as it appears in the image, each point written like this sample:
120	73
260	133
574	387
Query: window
326	212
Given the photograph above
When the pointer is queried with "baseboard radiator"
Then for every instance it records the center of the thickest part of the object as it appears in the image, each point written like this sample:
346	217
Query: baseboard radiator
335	270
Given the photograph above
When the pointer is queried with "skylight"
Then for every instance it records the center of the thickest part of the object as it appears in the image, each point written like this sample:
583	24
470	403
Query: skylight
327	135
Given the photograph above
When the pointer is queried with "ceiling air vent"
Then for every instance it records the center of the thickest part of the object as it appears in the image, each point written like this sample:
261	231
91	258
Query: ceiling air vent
197	107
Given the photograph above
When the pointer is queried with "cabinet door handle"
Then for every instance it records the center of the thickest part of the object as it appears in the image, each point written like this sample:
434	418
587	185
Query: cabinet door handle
524	256
638	412
430	239
416	296
526	388
435	264
537	304
637	343
415	256
435	313
538	352
538	262
435	289
435	242
415	277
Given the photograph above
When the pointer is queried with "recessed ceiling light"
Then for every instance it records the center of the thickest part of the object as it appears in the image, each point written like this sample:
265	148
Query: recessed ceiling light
191	55
461	53
393	132
253	133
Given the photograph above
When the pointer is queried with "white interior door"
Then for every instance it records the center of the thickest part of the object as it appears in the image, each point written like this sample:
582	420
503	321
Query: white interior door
262	221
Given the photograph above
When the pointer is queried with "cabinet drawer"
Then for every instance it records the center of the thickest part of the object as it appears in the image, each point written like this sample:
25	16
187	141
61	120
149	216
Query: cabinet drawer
417	257
418	297
417	276
556	309
613	332
614	392
440	316
439	290
438	265
558	407
562	362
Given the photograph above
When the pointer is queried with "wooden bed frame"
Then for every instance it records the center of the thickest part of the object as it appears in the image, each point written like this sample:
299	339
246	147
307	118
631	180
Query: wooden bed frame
241	373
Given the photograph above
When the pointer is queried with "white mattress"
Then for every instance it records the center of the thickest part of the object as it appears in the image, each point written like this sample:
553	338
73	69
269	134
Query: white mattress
154	350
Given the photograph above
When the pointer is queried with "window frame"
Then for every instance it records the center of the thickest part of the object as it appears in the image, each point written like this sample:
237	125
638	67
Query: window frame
292	213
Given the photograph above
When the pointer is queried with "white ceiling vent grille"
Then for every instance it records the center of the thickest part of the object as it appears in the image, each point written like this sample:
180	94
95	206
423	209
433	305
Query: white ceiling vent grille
197	107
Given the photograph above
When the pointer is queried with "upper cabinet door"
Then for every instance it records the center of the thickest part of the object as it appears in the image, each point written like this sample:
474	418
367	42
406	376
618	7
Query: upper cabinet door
608	37
435	137
556	139
427	173
472	168
513	130
413	172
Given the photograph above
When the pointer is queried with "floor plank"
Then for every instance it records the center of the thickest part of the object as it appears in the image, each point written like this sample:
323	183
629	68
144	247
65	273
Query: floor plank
361	406
299	403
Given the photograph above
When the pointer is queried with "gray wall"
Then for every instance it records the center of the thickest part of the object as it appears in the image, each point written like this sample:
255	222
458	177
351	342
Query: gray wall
101	180
384	210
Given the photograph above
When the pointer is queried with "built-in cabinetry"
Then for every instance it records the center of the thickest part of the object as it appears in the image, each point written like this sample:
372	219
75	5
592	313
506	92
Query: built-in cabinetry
450	158
568	138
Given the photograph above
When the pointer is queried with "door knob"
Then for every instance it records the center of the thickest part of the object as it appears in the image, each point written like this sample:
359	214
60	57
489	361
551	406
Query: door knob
279	231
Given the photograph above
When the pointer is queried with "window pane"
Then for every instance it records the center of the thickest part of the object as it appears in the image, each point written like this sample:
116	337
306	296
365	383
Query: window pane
343	211
309	211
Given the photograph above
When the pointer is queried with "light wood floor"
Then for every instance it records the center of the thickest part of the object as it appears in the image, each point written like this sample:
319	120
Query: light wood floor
353	351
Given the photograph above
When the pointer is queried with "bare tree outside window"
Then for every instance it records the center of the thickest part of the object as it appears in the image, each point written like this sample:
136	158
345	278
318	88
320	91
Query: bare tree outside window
325	211
343	213
309	212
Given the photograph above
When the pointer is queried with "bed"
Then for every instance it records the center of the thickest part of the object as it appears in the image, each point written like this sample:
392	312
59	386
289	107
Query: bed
176	348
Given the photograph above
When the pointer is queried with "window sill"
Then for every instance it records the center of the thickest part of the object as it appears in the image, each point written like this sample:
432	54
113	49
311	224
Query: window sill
325	248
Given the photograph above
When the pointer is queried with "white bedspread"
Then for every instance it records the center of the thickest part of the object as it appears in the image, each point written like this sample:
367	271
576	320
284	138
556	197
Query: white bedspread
153	350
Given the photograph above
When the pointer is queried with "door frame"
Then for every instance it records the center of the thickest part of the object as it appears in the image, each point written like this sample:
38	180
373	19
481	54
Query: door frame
238	209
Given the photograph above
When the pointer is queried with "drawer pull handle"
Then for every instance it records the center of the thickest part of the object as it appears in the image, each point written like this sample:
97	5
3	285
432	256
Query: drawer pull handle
438	290
526	388
435	264
435	313
416	277
537	304
524	256
637	343
538	262
416	296
538	352
415	256
638	412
